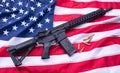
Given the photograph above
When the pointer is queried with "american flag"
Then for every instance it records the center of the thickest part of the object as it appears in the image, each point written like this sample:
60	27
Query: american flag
20	20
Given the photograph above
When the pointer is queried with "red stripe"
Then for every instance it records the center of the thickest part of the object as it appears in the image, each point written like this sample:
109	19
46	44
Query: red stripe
74	67
56	50
73	16
94	28
68	67
93	4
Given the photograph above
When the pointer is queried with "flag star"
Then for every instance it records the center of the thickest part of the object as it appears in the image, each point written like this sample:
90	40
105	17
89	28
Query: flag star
1	5
23	23
49	9
32	8
7	10
26	12
9	22
18	18
21	10
31	18
5	32
51	1
15	28
32	0
38	4
26	5
14	8
39	25
31	30
4	20
34	18
7	4
46	28
13	15
47	20
41	13
3	1
12	0
19	3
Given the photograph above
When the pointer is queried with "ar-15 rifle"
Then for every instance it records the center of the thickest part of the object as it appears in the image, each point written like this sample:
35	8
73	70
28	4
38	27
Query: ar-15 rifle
48	36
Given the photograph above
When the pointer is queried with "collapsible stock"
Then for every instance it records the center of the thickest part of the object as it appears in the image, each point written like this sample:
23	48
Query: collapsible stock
25	47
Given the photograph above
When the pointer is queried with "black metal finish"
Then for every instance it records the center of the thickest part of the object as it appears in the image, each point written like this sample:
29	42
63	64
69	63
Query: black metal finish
56	34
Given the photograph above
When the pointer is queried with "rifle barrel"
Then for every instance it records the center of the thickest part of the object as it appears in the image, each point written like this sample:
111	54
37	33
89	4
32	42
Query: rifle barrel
83	19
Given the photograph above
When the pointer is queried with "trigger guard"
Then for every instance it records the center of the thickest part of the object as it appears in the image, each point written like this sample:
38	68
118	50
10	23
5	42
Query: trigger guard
53	43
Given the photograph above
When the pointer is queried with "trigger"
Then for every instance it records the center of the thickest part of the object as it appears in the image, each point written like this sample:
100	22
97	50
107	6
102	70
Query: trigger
53	42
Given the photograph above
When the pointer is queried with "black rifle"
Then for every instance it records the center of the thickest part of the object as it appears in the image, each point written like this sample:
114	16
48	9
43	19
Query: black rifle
56	34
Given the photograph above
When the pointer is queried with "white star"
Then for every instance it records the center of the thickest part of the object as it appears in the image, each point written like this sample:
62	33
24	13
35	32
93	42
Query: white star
13	15
34	18
7	4
7	10
18	18
19	3
51	1
47	20
31	30
12	0
32	8
1	5
9	22
38	4
23	23
31	18
39	25
21	10
26	5
49	9
32	0
5	32
41	13
14	9
46	28
15	28
4	20
3	1
26	12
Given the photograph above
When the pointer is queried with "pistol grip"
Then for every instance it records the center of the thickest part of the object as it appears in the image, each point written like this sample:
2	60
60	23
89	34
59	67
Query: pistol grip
45	54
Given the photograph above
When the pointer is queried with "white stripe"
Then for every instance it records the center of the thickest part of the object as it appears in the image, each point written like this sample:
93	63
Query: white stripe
2	43
64	11
111	20
73	39
113	69
97	36
96	0
57	23
61	59
16	40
